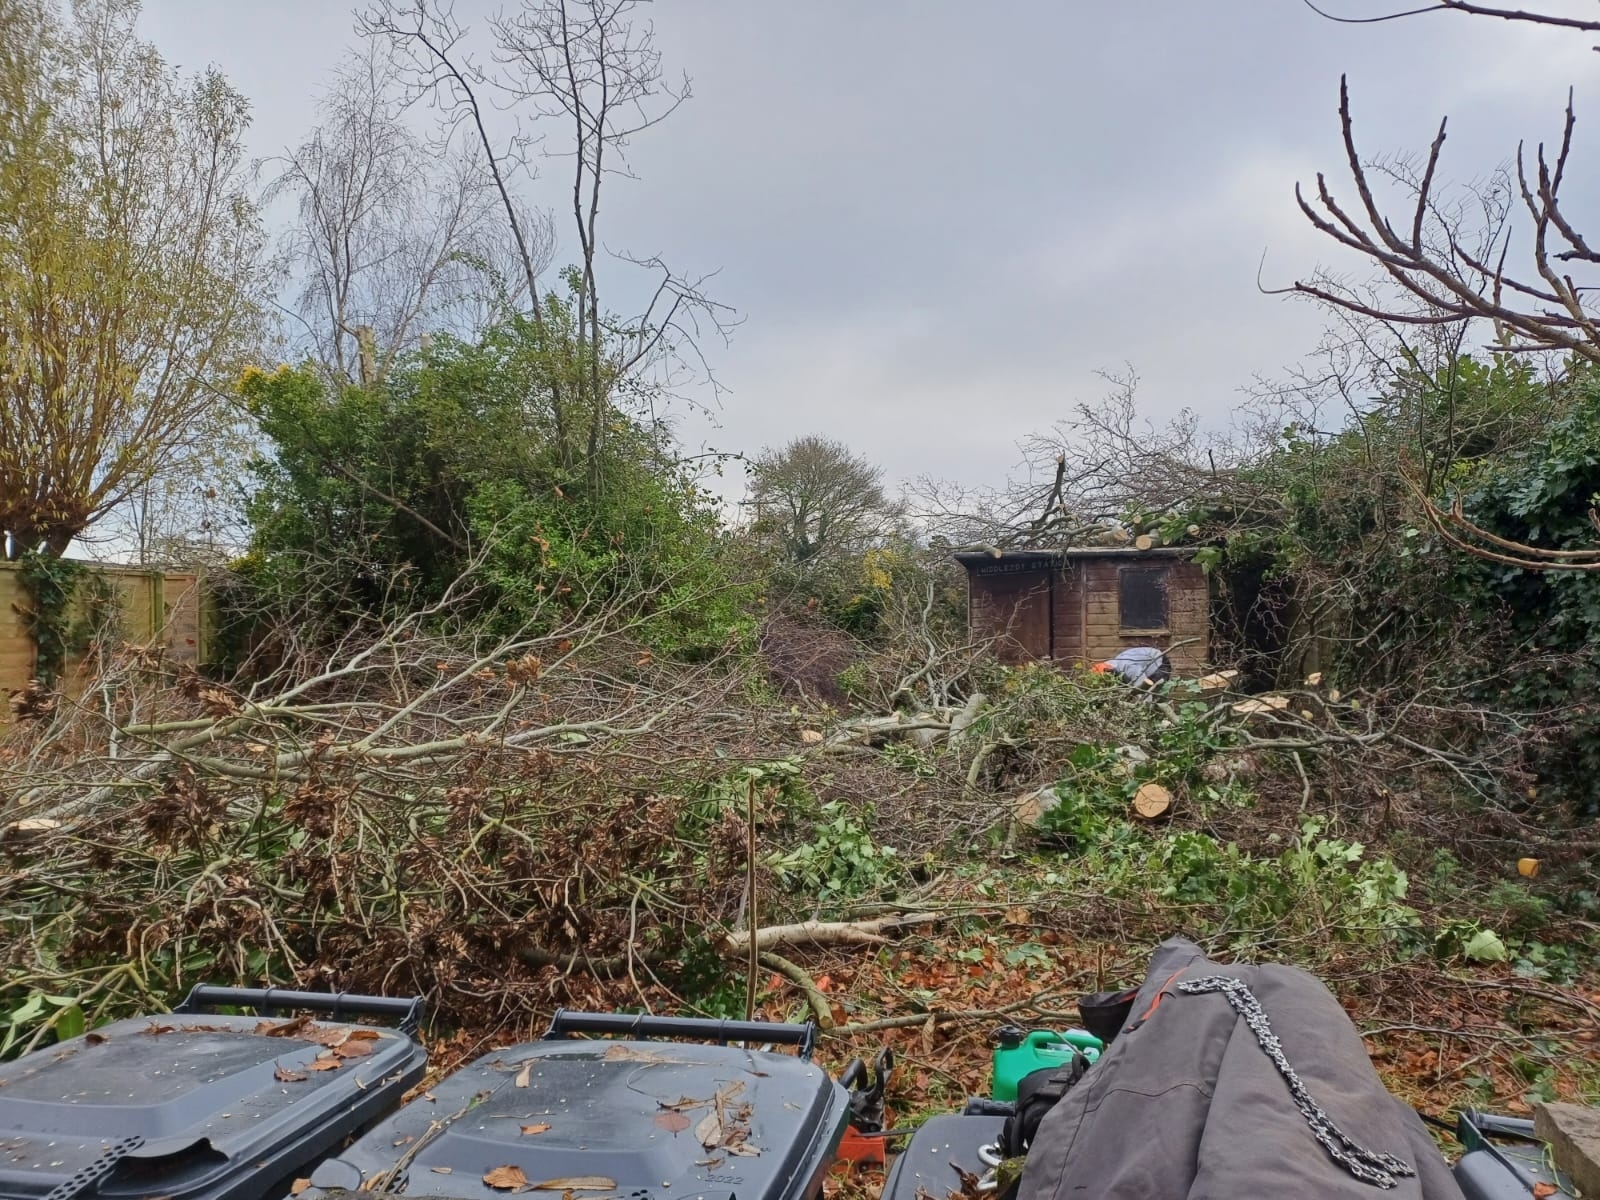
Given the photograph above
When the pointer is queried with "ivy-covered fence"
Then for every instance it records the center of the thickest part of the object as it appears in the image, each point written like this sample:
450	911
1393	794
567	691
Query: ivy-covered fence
51	610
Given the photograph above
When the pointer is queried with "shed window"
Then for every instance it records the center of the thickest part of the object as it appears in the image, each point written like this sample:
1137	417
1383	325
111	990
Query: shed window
1144	598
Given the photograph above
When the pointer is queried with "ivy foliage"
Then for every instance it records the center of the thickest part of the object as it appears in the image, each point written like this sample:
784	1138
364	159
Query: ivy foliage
50	583
1333	546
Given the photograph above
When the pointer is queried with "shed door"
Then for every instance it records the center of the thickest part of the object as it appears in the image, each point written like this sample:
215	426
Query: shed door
1015	611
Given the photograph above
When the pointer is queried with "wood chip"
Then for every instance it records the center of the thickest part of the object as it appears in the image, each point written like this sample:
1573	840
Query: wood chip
298	1186
33	825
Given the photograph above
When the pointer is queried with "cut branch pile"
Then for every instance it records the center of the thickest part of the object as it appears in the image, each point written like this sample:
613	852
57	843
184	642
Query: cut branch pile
491	823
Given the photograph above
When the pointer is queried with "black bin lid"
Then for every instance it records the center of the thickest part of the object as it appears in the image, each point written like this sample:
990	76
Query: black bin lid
637	1119
192	1107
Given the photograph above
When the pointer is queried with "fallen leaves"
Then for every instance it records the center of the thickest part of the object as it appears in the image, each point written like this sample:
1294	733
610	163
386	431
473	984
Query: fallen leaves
531	1130
672	1121
298	1186
1542	1190
524	1076
726	1127
506	1179
283	1029
709	1130
285	1075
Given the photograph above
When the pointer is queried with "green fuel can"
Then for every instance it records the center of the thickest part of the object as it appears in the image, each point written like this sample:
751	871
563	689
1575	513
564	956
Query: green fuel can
1018	1053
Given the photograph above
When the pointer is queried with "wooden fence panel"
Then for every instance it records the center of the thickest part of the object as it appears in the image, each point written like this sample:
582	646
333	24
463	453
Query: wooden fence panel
153	608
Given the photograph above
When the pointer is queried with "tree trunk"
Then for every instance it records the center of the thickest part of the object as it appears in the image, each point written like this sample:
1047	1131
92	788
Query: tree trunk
58	538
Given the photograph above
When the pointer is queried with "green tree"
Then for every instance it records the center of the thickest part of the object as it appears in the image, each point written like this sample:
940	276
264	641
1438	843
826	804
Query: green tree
130	264
391	492
818	502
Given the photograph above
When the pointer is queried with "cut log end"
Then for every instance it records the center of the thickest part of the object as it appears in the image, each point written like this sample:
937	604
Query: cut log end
1151	801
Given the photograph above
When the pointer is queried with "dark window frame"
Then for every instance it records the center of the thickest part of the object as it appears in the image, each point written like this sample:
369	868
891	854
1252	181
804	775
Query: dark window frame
1156	600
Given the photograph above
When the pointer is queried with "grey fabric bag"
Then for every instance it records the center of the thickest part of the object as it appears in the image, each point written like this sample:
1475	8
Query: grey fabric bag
1186	1103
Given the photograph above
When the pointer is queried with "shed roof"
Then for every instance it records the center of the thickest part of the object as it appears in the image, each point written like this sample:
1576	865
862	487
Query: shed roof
1022	560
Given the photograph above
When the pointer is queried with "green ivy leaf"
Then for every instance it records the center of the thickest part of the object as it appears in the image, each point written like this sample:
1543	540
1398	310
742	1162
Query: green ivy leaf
1484	946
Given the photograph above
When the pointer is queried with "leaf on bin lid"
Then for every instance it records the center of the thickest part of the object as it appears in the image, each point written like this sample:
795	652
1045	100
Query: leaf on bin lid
576	1183
709	1131
506	1179
621	1052
292	1028
530	1130
672	1121
524	1075
285	1075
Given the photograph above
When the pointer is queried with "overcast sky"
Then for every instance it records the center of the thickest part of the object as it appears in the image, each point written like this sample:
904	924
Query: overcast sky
939	218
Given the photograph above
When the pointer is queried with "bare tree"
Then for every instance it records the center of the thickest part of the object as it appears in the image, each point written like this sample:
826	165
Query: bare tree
1084	476
1444	271
390	234
590	71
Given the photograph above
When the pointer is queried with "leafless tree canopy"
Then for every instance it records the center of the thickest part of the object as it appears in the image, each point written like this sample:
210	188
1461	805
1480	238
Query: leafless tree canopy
1446	269
1453	265
391	232
1081	479
583	78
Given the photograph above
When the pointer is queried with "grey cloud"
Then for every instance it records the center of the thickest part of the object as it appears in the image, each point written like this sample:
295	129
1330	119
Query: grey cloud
940	218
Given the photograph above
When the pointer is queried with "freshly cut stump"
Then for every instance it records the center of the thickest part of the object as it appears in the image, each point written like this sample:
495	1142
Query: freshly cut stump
1151	800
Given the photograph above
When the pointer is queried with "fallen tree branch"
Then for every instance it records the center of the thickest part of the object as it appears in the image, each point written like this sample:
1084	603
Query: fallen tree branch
912	1020
795	974
822	933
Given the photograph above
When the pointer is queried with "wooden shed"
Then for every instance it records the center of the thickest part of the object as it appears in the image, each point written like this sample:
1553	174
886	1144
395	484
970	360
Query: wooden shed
1086	605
